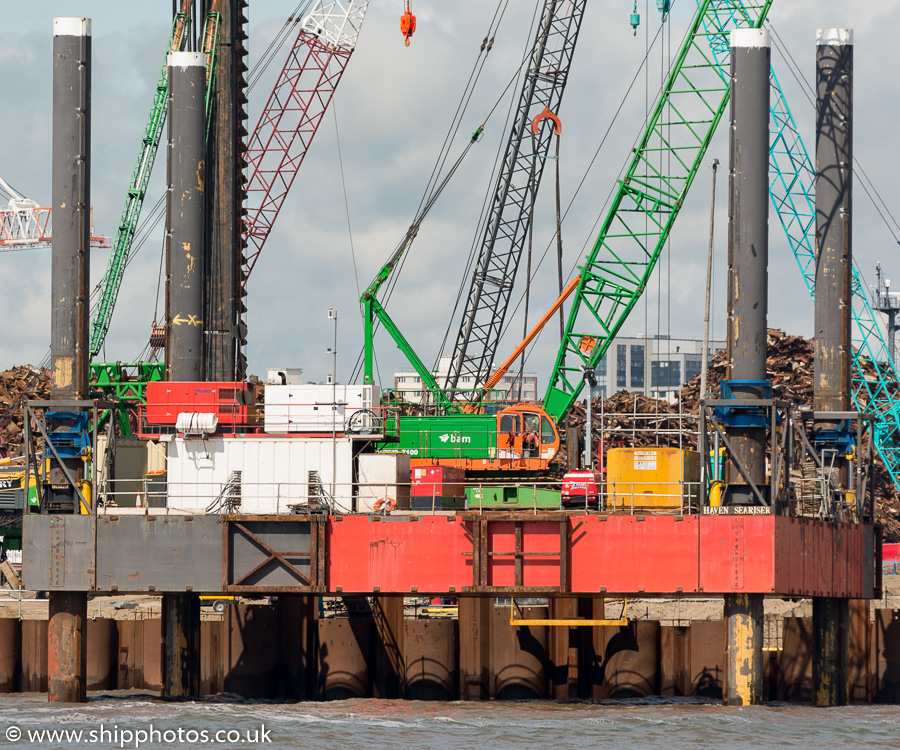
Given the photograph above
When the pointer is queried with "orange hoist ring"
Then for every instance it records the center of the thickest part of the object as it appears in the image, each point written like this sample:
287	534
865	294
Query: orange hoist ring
386	504
536	122
407	24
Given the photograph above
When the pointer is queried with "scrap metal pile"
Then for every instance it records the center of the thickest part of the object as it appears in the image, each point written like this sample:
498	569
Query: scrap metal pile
635	420
18	385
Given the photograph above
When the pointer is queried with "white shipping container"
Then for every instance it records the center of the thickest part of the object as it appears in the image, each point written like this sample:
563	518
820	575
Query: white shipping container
383	475
274	471
315	408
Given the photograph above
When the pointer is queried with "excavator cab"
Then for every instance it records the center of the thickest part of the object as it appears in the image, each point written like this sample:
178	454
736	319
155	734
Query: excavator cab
526	435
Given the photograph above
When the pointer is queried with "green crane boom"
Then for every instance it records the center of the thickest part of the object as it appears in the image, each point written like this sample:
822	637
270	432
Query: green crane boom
649	196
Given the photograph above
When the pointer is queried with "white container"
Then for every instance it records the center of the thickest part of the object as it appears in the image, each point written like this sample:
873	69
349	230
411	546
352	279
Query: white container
274	471
284	375
383	475
316	409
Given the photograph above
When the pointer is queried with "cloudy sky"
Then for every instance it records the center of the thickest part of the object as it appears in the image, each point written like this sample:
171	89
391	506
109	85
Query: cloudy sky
392	112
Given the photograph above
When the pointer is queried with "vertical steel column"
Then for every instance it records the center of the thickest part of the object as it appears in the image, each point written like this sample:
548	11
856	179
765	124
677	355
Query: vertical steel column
748	247
224	296
744	656
67	629
298	623
390	677
67	647
476	678
748	251
71	195
181	643
834	173
185	250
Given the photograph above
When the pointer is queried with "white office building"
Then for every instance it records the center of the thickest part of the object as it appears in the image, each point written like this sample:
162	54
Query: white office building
408	385
655	366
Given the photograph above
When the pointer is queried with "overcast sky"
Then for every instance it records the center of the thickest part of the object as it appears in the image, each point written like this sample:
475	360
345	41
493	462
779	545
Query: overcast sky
393	109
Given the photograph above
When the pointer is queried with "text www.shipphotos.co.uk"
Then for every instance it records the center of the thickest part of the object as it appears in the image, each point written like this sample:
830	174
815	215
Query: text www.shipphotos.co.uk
115	736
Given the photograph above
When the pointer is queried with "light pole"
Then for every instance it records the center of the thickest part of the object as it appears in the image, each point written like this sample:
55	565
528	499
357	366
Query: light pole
332	315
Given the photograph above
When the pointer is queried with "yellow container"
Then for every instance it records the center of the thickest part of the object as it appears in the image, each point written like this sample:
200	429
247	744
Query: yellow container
649	479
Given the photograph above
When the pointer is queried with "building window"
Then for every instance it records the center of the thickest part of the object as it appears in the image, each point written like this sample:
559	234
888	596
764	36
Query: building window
637	366
691	368
620	366
601	368
665	374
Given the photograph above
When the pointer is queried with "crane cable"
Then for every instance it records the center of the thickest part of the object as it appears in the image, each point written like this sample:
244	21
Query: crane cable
433	189
490	187
583	180
277	43
809	93
468	91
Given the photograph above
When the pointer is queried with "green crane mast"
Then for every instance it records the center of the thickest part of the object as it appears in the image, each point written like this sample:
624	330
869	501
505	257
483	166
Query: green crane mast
649	196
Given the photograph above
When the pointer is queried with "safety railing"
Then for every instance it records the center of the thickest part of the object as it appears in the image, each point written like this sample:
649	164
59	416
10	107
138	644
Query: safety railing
232	494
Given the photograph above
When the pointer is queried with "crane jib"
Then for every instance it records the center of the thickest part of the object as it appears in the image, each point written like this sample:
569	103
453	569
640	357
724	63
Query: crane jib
648	200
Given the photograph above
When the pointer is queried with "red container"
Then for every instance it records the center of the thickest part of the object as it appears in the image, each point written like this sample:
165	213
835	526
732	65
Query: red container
438	481
233	403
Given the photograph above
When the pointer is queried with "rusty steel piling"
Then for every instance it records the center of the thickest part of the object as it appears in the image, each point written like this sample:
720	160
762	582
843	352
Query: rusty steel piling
748	250
70	291
834	259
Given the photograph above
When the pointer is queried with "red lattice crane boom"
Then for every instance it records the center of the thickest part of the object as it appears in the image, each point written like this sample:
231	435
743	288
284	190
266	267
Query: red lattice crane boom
294	112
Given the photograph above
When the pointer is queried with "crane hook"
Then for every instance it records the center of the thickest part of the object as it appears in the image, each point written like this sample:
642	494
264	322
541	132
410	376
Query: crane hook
407	24
635	19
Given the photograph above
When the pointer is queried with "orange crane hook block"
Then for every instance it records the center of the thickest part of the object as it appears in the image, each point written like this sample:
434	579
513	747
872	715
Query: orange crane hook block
407	24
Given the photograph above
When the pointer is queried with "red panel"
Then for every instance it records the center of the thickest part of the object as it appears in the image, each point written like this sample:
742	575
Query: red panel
396	556
231	402
537	536
737	554
633	554
790	573
438	481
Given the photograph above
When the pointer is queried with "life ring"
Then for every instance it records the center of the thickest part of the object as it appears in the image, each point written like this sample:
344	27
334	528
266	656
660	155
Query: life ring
386	504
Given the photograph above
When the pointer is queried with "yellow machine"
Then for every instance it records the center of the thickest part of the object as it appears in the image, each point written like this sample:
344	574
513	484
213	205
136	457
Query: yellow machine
652	479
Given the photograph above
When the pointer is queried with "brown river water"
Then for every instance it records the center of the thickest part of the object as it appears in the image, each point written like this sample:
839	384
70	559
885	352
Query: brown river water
132	720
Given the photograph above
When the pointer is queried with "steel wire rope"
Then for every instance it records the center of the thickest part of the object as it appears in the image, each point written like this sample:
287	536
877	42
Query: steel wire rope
456	123
429	198
413	229
807	90
277	43
469	89
487	202
337	137
587	171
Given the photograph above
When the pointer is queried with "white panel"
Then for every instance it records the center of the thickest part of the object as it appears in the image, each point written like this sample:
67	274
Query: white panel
314	408
71	27
274	472
383	475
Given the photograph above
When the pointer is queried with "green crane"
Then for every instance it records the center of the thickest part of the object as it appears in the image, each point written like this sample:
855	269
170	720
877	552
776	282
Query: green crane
140	176
649	196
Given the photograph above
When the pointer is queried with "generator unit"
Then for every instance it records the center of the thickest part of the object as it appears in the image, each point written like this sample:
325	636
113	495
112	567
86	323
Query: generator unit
232	404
